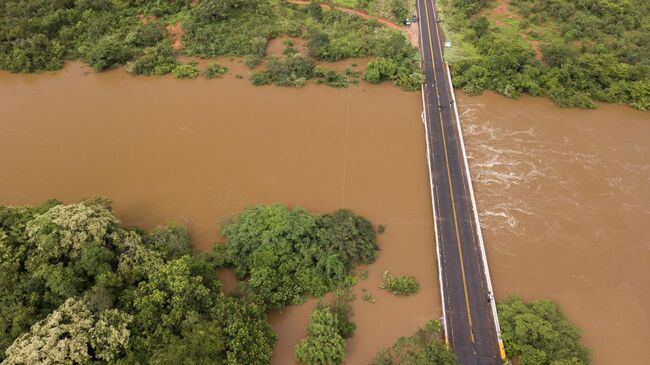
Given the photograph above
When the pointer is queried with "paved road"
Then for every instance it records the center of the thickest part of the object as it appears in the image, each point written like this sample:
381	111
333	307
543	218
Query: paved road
470	327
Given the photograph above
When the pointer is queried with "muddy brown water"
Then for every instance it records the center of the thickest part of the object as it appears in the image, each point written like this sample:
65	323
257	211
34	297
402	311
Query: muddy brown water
198	151
564	201
563	194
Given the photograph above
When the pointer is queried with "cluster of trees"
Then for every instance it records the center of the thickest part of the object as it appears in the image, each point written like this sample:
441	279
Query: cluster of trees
538	333
76	286
336	35
593	50
287	255
40	35
426	346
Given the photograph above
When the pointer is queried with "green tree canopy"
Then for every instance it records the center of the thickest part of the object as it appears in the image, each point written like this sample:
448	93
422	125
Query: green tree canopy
537	332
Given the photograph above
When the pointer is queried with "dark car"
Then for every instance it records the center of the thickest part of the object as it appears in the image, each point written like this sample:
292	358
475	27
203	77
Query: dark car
414	18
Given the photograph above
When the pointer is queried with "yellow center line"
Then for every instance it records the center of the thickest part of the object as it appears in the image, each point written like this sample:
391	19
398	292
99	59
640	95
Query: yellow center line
451	189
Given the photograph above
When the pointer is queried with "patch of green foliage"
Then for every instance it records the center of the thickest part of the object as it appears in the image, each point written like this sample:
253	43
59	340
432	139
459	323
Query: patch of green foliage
426	346
327	330
399	285
155	60
331	77
187	71
593	50
293	70
395	10
213	70
539	333
40	35
286	256
77	287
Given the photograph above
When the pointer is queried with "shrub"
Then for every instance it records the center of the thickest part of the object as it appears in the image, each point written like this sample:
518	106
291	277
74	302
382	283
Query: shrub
323	344
426	346
213	70
399	285
331	77
107	52
260	78
157	60
187	71
292	70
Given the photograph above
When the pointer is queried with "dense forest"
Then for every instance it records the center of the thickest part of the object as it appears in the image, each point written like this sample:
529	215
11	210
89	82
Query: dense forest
78	287
41	35
574	52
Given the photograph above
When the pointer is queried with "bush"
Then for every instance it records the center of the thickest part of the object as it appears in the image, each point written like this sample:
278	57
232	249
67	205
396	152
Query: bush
107	52
260	78
399	285
157	60
323	344
187	71
426	346
539	333
213	70
292	70
330	77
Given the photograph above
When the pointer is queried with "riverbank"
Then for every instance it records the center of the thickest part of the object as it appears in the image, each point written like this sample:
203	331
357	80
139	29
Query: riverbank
577	54
146	39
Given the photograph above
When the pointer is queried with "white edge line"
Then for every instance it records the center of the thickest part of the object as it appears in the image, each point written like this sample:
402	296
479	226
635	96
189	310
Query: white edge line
471	191
433	201
474	208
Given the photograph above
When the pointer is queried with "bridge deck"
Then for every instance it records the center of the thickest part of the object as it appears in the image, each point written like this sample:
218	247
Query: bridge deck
470	324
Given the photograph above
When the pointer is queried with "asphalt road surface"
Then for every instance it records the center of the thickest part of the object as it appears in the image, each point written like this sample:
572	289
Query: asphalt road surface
470	326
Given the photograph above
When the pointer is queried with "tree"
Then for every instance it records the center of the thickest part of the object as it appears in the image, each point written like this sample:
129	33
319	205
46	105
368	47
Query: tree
67	334
323	344
538	332
73	245
286	255
350	236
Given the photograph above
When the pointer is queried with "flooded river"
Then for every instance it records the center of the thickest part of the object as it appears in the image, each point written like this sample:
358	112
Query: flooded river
198	151
564	197
563	194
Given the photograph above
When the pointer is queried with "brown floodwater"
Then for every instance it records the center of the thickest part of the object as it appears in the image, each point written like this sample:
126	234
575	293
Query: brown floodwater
198	151
564	201
563	194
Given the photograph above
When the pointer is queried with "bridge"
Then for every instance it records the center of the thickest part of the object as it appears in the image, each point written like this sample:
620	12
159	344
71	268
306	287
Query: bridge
469	313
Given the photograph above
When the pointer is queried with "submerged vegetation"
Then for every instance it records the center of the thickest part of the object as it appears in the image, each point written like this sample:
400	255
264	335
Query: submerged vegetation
41	35
78	287
426	346
399	285
574	52
326	333
538	333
